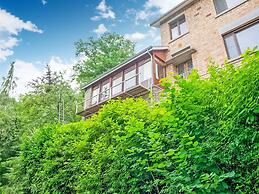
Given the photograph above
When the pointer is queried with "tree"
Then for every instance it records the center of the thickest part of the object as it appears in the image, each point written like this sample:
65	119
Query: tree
48	79
51	101
101	55
8	83
202	138
10	130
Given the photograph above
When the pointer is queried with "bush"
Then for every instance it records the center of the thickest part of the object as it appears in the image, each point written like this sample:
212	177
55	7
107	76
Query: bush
203	138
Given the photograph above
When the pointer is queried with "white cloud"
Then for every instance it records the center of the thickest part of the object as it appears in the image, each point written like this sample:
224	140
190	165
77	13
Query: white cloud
104	12
27	71
101	29
162	7
152	34
13	25
142	40
137	36
44	2
6	45
155	7
10	27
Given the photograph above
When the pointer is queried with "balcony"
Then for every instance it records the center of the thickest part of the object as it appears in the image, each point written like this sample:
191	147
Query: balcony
133	86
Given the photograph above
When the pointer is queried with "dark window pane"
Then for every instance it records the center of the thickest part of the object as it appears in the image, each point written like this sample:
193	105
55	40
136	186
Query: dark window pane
181	71
231	47
248	38
190	66
220	5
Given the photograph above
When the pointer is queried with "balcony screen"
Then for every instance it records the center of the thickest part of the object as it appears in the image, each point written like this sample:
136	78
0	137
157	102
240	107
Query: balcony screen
145	72
130	79
116	85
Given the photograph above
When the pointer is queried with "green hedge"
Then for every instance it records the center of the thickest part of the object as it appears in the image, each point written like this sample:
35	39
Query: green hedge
202	138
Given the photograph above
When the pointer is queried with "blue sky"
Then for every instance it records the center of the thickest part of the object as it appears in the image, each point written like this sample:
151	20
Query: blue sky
36	32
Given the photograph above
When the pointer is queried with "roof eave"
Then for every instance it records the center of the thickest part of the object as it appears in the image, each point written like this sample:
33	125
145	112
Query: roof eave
178	7
141	53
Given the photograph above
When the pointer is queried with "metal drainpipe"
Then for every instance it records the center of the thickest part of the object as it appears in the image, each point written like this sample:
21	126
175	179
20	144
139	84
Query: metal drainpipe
151	57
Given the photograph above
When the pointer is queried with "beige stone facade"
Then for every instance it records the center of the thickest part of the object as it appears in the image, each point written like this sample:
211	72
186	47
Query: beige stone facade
203	34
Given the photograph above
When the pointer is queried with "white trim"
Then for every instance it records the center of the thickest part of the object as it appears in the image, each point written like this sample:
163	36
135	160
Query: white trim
239	22
174	10
125	63
229	9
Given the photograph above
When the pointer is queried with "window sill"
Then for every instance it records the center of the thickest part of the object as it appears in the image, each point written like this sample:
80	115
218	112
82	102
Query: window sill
172	40
228	10
235	60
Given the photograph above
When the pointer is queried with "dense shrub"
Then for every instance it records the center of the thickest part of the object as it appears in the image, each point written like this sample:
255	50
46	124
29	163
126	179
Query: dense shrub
203	138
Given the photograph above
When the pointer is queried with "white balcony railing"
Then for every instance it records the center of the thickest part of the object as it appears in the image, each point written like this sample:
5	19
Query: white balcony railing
117	90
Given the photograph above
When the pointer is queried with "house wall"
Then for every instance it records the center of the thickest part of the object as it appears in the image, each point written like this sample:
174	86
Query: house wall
203	25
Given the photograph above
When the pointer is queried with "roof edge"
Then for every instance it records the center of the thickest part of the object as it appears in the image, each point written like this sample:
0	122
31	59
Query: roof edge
178	7
117	67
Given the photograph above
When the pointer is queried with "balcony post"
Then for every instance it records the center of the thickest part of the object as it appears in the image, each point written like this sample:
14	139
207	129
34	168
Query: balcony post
110	88
99	95
123	80
137	73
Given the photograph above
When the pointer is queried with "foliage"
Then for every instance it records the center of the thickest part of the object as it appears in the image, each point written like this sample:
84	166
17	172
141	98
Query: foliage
224	110
10	131
202	138
44	83
51	101
101	55
8	83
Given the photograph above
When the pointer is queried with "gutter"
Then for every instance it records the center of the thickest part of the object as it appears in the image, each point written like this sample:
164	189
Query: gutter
172	11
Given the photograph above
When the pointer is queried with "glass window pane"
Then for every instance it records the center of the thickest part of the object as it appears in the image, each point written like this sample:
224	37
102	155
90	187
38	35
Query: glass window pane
220	5
248	38
130	79
117	86
175	32
231	47
183	27
105	91
233	3
95	96
145	72
161	71
190	67
181	70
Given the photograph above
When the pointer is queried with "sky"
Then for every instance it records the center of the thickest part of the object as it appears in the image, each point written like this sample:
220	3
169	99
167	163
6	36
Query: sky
34	33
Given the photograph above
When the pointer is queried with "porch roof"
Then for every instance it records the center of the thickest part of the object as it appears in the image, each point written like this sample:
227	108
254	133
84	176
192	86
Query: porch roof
141	53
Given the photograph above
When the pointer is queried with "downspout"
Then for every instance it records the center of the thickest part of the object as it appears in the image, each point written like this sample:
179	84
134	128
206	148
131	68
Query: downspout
152	73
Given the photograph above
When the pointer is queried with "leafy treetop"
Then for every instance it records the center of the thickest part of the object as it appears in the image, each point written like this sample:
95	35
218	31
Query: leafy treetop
101	55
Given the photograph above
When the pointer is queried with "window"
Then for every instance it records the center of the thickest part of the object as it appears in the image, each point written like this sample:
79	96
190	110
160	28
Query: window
178	27
130	78
95	96
238	41
160	71
145	72
105	90
117	85
184	69
223	5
